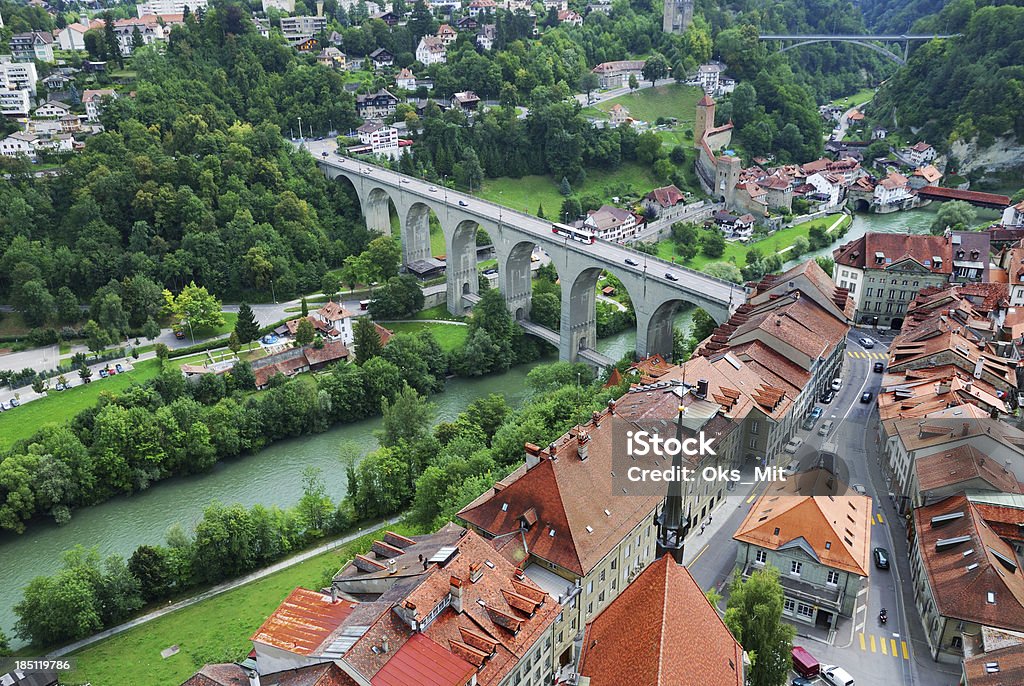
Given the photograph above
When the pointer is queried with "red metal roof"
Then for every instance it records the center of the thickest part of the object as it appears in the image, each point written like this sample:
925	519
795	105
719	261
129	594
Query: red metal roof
302	622
422	662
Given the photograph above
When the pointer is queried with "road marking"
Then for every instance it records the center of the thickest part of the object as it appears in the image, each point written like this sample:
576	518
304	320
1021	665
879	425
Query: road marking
894	653
862	646
880	520
906	655
873	648
885	646
700	553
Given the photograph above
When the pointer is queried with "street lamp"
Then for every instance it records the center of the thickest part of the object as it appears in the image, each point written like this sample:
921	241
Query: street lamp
300	128
190	333
273	294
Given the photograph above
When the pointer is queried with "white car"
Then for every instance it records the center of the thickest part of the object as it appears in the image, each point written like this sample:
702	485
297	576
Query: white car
837	676
432	189
826	427
791	468
837	384
793	445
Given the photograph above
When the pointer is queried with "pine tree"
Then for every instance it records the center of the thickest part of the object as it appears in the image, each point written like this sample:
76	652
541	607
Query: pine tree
246	327
564	188
540	211
366	340
305	308
234	345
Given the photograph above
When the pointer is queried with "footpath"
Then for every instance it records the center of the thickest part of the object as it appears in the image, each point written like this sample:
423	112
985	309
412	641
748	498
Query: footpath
217	590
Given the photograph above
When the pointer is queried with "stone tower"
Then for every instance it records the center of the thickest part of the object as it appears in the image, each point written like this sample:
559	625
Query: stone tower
705	119
678	16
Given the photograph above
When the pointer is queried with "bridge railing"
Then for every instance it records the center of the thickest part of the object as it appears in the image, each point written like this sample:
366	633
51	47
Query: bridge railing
504	209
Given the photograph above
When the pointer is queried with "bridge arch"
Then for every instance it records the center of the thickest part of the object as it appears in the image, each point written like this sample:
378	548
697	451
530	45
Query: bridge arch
515	278
885	52
377	205
579	310
416	232
462	256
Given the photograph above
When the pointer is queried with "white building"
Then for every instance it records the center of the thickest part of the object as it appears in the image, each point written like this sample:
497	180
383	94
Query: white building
406	80
18	144
482	6
431	51
17	75
170	6
93	101
33	45
618	115
72	37
282	5
893	189
52	109
920	153
485	39
827	184
294	27
612	223
149	28
14	103
381	138
1014	215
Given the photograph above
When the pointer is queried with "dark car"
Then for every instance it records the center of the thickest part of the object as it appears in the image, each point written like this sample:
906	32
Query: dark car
179	334
671	277
866	397
801	681
827	396
119	368
881	558
15	402
104	373
631	262
879	366
463	203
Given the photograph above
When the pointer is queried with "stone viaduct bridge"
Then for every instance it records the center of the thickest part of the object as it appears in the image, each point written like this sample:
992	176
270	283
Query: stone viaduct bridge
656	298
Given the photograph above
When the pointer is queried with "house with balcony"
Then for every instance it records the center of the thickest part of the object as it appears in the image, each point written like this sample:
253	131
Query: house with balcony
820	545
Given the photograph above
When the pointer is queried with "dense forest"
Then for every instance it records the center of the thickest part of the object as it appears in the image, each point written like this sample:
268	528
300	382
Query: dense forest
962	87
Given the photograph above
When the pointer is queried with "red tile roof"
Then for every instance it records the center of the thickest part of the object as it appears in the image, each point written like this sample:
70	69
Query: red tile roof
1003	667
421	662
666	196
661	631
230	674
302	622
963	560
962	464
894	248
837	528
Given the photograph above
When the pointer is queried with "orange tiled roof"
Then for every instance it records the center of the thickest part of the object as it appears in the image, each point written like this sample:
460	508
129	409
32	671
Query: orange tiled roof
1003	667
837	528
961	464
303	622
694	652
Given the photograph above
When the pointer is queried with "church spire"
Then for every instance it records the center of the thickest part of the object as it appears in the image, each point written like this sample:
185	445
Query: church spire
671	524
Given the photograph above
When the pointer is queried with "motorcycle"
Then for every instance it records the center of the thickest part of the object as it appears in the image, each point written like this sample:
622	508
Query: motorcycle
883	616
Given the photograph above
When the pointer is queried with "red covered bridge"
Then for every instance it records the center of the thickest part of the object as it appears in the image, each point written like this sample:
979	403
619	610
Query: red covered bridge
991	200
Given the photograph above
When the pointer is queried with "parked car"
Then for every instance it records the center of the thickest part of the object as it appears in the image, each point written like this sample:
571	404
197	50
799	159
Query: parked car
826	427
807	424
837	676
866	397
671	277
866	342
490	272
816	413
827	397
59	387
837	383
15	402
104	373
179	334
803	681
860	489
791	468
631	262
881	556
793	445
119	368
879	367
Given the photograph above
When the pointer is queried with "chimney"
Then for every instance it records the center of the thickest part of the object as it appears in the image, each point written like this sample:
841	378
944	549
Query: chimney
334	595
392	566
943	386
532	455
611	407
385	644
552	449
455	590
254	677
702	388
583	445
476	570
520	574
595	418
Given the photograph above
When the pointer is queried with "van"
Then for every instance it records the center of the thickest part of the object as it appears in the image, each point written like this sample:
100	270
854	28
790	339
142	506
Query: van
837	676
804	663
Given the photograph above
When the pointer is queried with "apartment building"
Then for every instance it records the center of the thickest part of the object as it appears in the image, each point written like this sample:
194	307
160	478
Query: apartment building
159	7
884	272
18	75
820	545
377	105
381	139
613	223
32	45
431	50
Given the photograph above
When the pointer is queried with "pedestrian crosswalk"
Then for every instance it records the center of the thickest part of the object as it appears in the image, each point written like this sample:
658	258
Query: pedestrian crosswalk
866	355
886	645
877	519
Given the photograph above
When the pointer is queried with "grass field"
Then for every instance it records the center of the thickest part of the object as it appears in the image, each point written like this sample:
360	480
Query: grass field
11	324
449	336
858	98
214	630
60	406
438	312
648	104
526	193
737	252
223	330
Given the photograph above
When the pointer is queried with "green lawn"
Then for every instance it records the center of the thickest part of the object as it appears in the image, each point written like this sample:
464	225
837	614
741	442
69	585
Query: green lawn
736	252
60	406
449	336
526	193
11	324
648	104
858	98
214	630
223	330
438	312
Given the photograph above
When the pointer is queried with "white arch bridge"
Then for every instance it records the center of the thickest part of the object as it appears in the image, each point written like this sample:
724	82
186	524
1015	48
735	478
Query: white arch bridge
515	235
792	40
